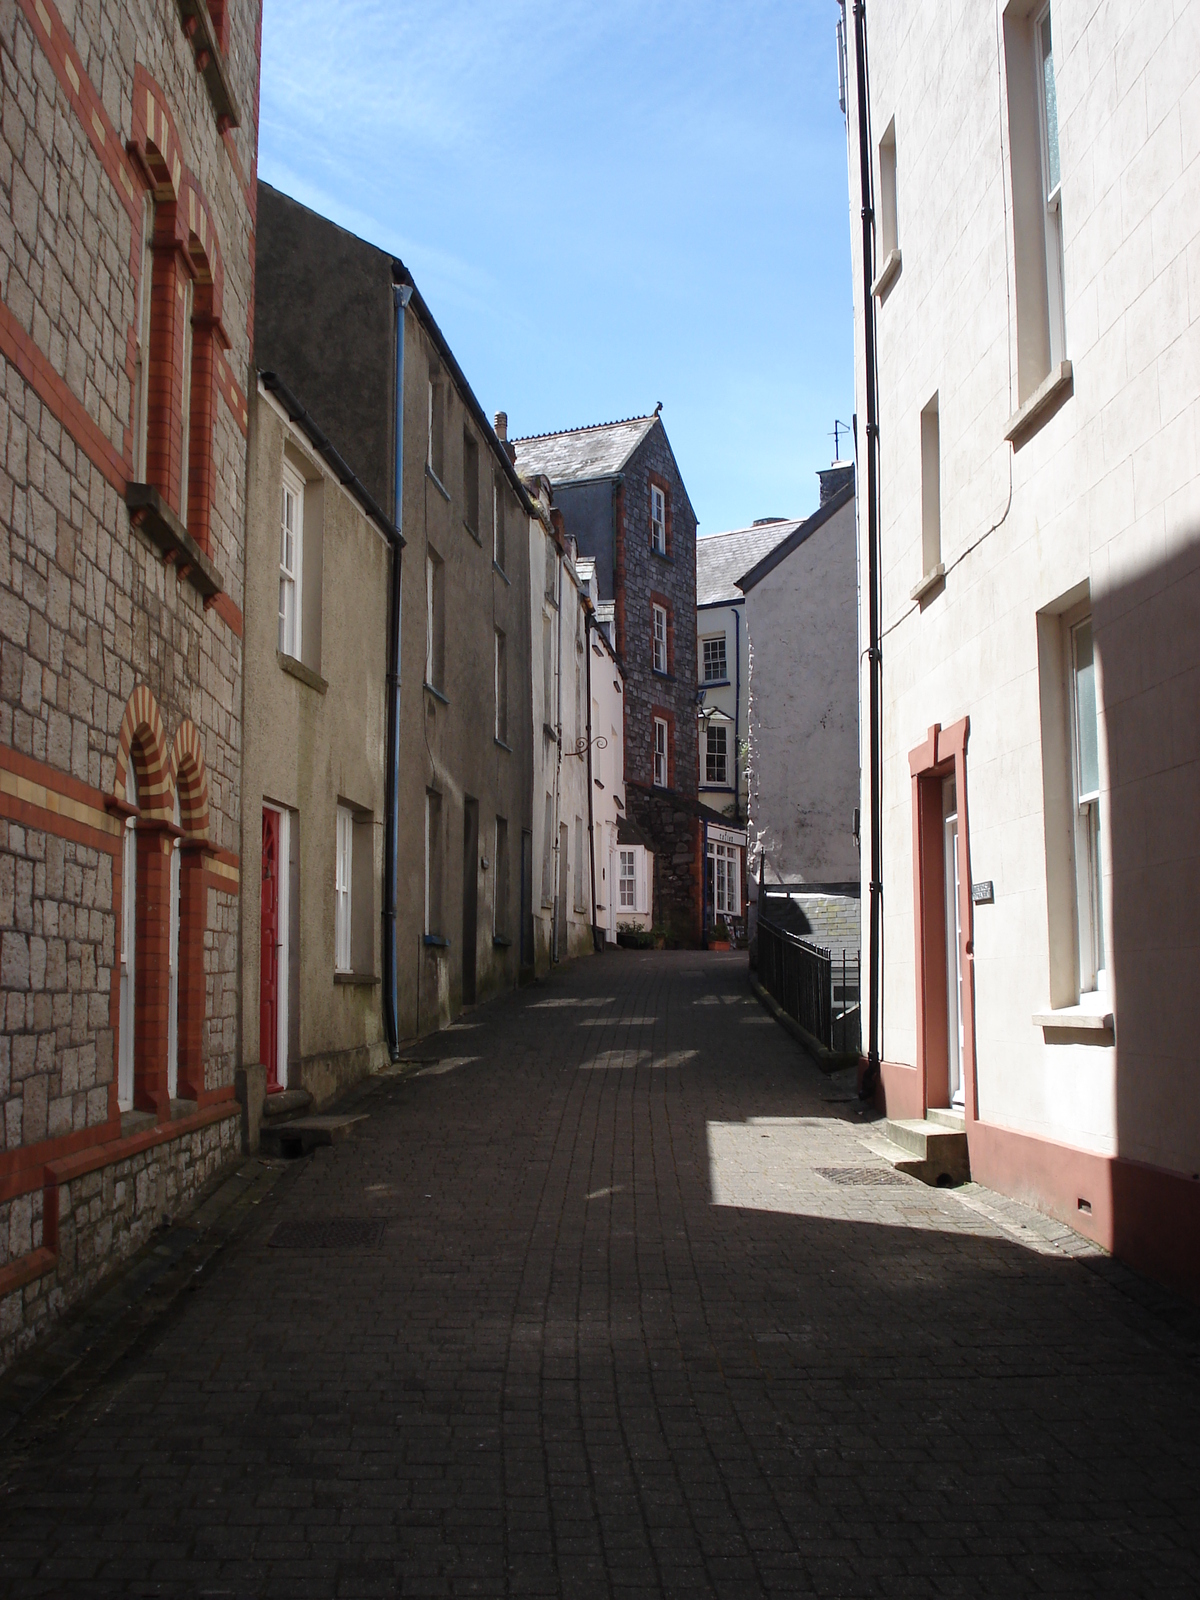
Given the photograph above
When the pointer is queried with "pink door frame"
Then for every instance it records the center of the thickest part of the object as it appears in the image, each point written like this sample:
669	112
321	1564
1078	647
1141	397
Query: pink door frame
942	754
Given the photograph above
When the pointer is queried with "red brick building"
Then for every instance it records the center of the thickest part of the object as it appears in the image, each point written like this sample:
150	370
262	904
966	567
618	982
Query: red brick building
127	162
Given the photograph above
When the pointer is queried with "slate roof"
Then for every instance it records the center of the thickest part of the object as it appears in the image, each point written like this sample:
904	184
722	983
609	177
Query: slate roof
581	453
722	558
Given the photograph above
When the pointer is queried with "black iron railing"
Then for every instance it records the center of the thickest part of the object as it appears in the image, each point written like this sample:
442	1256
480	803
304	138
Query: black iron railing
816	989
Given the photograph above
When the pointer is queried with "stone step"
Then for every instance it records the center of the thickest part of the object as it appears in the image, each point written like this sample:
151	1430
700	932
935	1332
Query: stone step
296	1136
947	1117
286	1103
928	1150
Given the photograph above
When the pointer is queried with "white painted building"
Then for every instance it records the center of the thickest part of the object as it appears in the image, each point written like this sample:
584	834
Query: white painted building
561	866
1032	284
723	658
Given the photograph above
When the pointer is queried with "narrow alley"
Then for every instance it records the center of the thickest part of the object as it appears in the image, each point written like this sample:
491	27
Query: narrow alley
607	1297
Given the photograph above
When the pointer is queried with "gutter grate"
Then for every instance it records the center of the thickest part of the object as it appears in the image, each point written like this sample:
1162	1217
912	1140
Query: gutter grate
863	1177
329	1233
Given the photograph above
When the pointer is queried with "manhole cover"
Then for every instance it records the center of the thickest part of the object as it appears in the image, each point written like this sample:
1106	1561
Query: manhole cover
862	1177
328	1233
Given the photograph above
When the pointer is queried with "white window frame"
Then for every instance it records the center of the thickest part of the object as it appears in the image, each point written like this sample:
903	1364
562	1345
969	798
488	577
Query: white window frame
711	757
712	640
658	520
145	287
1051	187
343	947
627	881
659	637
727	879
662	765
1089	866
291	493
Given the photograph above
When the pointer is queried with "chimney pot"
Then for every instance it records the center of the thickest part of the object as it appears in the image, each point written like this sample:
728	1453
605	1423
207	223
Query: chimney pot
501	425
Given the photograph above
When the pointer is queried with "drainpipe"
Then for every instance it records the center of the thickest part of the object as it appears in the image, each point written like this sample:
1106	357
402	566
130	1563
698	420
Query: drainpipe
737	712
402	293
588	624
874	651
555	930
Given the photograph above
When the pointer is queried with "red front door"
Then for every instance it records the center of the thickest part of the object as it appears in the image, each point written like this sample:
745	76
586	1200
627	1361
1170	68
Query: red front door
268	1023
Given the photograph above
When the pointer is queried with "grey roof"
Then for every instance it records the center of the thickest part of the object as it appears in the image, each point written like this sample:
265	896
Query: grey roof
722	558
582	453
795	537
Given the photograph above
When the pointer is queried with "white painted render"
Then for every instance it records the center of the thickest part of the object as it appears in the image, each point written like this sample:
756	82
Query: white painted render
1099	501
801	624
728	701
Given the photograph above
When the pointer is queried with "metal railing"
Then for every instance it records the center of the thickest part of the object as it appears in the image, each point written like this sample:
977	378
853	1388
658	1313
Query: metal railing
815	989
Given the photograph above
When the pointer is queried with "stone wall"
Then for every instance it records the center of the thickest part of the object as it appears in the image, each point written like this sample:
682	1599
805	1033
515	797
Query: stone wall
676	831
642	572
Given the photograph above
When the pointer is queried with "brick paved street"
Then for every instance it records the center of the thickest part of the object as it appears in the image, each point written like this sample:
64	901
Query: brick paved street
629	1330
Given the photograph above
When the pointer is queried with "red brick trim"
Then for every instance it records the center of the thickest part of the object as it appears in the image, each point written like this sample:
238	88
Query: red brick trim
659	482
229	614
665	714
22	353
143	722
39	796
22	1169
47	24
24	1270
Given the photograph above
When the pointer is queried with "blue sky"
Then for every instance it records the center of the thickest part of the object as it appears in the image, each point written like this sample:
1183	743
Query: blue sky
604	205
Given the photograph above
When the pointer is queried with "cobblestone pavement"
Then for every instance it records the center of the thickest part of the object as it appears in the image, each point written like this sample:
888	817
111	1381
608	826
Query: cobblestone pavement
643	1317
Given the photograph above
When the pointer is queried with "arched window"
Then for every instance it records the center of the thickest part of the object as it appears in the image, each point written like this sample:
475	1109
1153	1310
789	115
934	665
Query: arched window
173	967
125	1036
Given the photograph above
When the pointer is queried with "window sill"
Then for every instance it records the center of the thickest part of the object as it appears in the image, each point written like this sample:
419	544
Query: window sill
551	733
437	483
297	669
501	744
1092	1015
663	555
501	942
362	979
498	569
1045	400
667	677
931	580
436	693
472	532
149	512
435	941
210	63
887	274
714	683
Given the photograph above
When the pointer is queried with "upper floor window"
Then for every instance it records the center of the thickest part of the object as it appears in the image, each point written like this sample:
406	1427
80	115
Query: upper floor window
660	753
437	448
658	520
715	670
342	889
1051	186
628	881
716	754
291	551
470	484
435	620
501	687
660	638
1086	775
498	522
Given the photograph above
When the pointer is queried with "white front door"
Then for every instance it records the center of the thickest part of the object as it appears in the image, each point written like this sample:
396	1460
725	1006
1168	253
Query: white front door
954	1007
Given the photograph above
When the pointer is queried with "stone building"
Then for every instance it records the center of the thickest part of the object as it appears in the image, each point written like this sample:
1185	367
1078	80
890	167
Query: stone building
1026	382
342	325
314	791
623	501
126	301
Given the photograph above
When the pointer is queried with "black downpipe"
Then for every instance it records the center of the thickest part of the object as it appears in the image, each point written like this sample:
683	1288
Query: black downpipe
874	652
391	831
588	625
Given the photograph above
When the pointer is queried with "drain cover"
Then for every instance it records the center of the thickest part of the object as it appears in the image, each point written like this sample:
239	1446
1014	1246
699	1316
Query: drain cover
863	1177
328	1233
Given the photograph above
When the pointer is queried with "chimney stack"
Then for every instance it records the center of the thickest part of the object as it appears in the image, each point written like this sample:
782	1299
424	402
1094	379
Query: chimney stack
501	425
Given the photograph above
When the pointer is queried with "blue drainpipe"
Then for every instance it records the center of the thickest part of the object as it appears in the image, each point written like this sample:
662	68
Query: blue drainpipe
391	834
